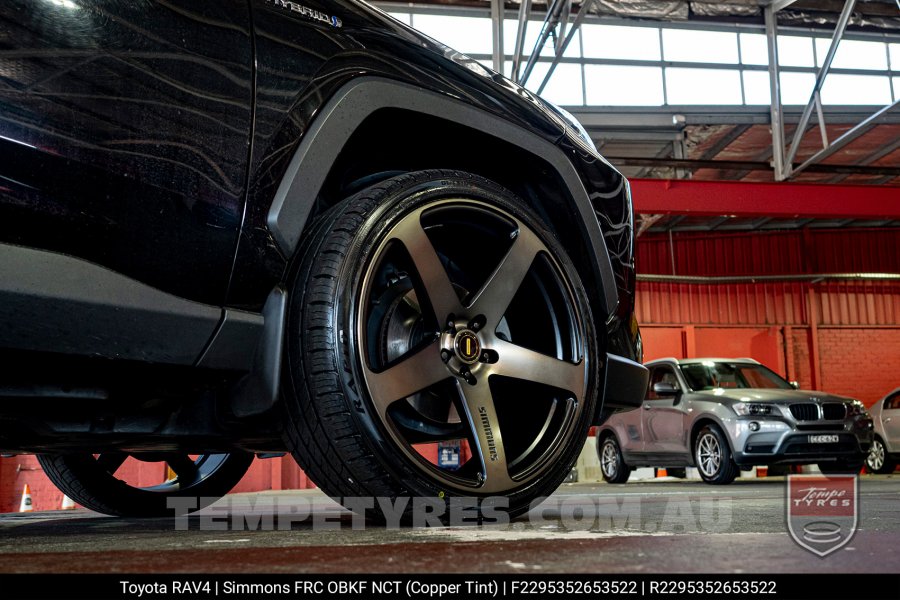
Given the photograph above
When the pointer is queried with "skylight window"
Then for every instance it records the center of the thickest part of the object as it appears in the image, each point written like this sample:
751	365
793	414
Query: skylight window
854	54
635	65
645	85
614	41
703	86
687	45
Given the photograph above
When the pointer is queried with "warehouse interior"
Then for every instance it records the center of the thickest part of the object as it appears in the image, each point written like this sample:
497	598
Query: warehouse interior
761	141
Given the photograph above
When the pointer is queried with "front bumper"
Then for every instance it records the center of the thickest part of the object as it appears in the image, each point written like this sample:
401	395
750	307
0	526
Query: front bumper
625	383
780	442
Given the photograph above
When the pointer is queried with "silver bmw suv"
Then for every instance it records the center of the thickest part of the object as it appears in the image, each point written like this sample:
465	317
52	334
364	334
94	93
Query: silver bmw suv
723	415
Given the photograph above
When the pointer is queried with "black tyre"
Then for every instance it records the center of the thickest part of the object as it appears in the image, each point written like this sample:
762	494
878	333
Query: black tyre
91	481
713	458
842	467
612	463
434	308
878	460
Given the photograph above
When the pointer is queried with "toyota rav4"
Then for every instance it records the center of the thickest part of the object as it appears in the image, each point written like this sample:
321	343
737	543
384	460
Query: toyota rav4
250	227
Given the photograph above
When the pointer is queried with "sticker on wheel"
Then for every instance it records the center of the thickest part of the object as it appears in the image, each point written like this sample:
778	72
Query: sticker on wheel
822	512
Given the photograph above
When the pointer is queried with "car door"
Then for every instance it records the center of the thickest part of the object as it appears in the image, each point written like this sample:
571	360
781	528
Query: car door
663	417
890	420
124	135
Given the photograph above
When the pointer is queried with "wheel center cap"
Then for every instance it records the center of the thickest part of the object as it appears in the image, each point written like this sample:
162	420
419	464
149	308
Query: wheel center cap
467	346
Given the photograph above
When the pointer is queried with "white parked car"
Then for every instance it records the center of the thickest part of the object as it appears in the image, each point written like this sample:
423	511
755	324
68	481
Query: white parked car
884	453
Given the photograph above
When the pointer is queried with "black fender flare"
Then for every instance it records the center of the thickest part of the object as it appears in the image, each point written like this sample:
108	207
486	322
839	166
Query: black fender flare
352	104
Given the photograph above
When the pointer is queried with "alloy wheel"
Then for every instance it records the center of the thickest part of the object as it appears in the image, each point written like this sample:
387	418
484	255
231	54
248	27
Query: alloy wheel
469	334
875	459
609	460
184	473
709	454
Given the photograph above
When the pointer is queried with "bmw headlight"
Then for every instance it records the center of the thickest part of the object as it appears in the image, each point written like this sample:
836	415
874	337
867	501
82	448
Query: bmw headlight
856	408
753	409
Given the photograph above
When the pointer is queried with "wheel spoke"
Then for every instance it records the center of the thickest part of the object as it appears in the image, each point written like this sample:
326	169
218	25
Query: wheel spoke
184	467
521	363
482	413
111	461
709	456
430	270
876	456
415	372
495	295
609	460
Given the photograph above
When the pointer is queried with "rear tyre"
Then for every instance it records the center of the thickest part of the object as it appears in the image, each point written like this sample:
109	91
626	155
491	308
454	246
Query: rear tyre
712	455
429	311
878	460
90	480
612	463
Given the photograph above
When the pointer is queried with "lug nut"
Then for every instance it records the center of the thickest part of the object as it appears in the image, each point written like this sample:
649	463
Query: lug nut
466	374
489	356
477	323
445	355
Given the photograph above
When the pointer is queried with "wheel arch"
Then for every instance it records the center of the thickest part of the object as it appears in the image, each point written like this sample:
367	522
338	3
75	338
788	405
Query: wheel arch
699	424
603	434
884	443
606	432
337	150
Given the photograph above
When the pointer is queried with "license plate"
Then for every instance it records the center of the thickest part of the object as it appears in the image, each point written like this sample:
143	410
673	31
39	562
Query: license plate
823	439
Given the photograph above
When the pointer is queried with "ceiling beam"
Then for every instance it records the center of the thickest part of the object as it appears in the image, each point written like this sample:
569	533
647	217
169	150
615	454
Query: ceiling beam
776	200
745	165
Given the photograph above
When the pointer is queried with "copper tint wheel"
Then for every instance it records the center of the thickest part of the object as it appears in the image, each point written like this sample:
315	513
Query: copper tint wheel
433	311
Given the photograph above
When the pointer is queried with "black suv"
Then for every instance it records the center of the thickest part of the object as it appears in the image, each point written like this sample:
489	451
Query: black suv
255	226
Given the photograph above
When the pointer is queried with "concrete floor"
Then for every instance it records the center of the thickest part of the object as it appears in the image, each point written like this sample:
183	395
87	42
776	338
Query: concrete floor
659	526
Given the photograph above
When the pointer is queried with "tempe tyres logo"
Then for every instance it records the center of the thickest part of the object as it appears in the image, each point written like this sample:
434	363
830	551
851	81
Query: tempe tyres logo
822	512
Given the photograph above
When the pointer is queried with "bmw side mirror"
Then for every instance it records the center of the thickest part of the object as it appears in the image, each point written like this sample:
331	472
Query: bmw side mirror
666	390
795	385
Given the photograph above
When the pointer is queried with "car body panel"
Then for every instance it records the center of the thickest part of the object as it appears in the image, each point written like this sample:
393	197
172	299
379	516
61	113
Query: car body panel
887	421
124	145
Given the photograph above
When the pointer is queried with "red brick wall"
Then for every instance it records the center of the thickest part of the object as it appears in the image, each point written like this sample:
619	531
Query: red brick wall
21	470
7	483
800	370
274	474
860	363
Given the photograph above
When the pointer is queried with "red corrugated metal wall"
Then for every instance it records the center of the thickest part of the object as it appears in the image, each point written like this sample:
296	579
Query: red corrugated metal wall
770	252
839	336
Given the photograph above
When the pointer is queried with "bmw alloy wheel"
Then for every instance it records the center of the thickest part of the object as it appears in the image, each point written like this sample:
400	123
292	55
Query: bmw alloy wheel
709	454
